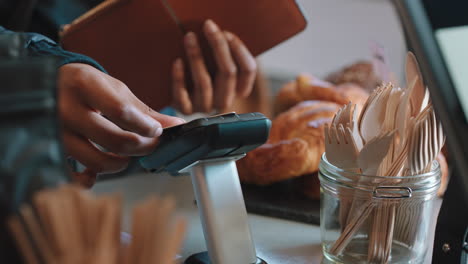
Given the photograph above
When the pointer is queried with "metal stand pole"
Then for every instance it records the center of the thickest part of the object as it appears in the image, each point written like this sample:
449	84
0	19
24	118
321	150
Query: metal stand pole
222	211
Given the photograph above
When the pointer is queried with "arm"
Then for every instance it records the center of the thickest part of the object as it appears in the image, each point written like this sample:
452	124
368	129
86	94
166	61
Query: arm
96	109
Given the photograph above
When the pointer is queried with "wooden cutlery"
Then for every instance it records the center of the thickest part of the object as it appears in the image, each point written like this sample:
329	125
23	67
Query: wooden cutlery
397	134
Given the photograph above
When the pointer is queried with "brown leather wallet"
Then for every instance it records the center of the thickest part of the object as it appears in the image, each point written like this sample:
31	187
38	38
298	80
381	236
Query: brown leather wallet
137	41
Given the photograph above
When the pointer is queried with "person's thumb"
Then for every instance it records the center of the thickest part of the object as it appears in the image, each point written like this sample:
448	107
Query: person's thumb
166	120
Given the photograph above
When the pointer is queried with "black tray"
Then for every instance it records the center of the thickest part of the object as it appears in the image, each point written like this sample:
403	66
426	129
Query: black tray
281	200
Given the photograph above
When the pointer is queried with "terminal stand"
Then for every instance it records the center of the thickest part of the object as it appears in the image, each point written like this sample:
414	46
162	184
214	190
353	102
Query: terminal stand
223	214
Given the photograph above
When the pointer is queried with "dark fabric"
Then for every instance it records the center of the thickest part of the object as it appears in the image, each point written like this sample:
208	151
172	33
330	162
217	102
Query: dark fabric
31	156
46	48
42	16
50	15
38	45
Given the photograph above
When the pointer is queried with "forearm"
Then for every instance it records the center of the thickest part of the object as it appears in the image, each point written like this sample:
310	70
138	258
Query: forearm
36	45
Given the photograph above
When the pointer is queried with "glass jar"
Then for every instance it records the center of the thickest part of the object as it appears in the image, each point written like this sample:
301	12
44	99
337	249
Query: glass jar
376	219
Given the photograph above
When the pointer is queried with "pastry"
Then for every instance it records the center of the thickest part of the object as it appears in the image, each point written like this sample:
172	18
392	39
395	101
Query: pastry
310	88
294	147
353	93
361	73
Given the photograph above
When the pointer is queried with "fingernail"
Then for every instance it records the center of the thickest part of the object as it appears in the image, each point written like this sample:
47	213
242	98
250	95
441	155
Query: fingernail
191	39
211	26
155	125
229	35
159	132
181	120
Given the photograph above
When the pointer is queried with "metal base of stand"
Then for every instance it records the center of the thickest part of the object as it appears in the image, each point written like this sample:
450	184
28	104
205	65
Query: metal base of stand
222	211
203	258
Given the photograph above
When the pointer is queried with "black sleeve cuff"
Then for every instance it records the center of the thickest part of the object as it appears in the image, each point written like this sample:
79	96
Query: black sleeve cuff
45	47
37	45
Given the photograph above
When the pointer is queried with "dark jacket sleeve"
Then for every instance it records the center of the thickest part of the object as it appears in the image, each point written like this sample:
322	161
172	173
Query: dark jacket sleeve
37	45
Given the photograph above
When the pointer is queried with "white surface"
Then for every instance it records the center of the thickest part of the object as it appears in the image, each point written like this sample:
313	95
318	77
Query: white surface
277	241
338	33
454	43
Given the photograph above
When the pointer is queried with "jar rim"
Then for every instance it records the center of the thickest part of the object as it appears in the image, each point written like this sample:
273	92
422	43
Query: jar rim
328	166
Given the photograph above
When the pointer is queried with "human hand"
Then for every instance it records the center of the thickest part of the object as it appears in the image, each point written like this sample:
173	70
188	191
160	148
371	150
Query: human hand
235	75
97	109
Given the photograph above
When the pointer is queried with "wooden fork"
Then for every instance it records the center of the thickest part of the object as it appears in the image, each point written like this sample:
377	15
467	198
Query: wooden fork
340	147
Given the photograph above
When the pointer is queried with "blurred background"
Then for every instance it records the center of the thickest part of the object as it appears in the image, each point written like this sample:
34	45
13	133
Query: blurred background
339	33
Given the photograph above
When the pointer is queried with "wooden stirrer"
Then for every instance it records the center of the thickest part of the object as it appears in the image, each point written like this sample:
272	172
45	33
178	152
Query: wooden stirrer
22	240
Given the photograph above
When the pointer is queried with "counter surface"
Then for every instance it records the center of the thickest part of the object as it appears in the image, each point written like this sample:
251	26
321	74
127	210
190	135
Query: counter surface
277	241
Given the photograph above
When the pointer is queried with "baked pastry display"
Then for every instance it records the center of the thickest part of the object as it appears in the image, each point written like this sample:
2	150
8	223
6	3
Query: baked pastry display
294	147
306	87
296	142
361	73
353	93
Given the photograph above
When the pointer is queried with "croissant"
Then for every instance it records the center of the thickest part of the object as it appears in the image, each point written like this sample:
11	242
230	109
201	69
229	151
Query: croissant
361	73
294	147
310	88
